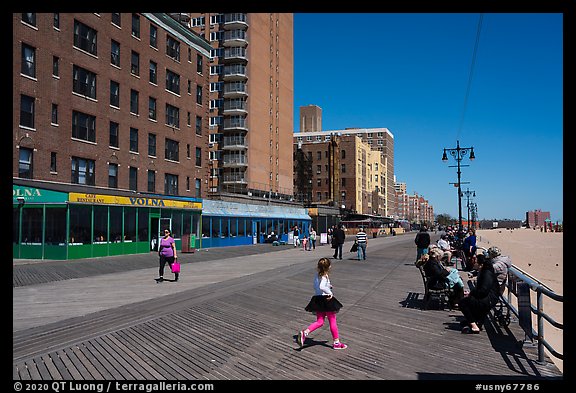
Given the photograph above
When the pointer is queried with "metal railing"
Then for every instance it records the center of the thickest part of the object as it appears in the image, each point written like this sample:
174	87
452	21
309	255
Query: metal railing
516	275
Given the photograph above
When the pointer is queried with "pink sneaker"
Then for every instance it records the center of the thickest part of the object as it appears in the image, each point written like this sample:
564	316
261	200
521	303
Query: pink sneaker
339	345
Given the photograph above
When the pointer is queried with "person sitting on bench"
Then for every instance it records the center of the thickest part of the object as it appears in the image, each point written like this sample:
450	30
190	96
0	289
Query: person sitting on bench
482	298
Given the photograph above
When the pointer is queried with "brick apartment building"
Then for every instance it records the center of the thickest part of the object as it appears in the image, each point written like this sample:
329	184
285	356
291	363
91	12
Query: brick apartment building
537	218
343	171
118	101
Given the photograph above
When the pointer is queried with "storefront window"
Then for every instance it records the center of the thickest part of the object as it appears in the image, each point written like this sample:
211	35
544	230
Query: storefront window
195	220
100	224
241	227
80	224
143	225
55	224
206	227
32	226
233	227
177	224
115	224
129	224
15	224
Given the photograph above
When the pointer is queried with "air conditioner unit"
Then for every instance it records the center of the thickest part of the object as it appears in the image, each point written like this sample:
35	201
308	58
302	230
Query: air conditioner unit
210	144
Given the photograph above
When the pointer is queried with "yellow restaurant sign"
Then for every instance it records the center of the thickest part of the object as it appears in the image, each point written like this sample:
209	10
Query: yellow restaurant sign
75	197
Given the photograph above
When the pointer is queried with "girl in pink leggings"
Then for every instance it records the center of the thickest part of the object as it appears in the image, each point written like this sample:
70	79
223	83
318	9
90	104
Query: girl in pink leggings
324	304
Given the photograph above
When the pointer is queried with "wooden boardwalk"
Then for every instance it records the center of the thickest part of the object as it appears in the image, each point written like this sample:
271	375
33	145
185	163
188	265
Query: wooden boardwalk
236	319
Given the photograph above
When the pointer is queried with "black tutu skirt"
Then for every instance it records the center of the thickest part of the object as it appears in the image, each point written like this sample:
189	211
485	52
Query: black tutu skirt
320	303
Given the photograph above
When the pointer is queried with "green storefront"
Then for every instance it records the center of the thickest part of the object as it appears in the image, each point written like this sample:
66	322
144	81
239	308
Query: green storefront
49	224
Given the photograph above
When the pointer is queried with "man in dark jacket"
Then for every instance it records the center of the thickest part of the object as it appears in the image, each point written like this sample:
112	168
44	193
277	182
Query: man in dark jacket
338	240
422	241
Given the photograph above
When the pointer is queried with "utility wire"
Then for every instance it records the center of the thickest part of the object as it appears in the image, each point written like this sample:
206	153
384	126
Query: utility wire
470	76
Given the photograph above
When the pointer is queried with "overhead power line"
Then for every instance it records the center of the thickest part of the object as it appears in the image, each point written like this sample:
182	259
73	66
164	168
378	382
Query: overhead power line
470	76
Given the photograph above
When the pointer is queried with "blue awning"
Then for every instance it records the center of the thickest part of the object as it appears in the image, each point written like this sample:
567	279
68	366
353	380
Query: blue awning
233	209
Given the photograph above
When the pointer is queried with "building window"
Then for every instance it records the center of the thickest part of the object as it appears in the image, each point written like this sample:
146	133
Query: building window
56	21
83	82
26	111
172	116
172	48
343	152
83	171
54	119
115	53
199	94
199	63
53	167
28	66
170	184
29	18
135	64
134	102
113	175
153	72
117	19
83	126
133	178
133	140
152	108
198	125
55	66
85	38
151	181
136	25
198	188
172	82
171	150
115	94
198	156
343	168
153	36
152	145
25	169
114	130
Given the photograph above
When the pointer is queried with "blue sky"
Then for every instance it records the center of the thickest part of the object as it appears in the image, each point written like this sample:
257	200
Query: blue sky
409	73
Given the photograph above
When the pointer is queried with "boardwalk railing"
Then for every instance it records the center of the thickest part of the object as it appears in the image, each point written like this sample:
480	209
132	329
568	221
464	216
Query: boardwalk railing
518	277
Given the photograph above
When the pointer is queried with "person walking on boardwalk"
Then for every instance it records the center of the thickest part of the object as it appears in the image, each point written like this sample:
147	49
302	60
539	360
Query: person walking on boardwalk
312	245
362	241
338	240
166	253
324	304
422	241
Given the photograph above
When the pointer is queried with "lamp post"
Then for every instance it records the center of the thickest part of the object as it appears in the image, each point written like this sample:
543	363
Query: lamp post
468	194
459	153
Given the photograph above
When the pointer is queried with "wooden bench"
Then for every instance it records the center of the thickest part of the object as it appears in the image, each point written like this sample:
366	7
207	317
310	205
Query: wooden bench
441	295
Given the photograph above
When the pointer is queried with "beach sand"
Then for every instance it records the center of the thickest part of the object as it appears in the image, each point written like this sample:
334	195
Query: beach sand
540	254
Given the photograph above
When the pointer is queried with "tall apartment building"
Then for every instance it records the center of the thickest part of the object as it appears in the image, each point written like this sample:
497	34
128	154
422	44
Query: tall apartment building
401	207
378	140
250	99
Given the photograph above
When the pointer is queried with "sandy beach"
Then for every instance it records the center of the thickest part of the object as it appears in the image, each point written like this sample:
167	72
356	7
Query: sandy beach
539	254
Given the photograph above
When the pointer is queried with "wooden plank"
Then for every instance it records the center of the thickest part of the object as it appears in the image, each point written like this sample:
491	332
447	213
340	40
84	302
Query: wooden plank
74	374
